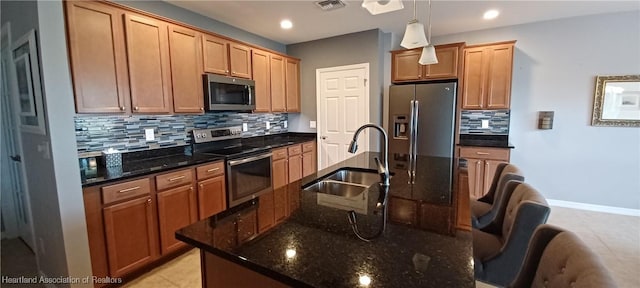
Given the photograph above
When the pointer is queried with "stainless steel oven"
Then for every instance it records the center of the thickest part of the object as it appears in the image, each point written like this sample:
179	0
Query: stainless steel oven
248	178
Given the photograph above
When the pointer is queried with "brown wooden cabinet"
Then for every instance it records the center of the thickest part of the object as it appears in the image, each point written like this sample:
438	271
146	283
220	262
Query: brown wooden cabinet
280	204
295	162
463	208
215	52
240	60
308	158
247	226
262	77
405	66
487	74
280	168
130	235
292	84
265	212
149	68
186	69
481	166
212	194
176	209
98	60
278	86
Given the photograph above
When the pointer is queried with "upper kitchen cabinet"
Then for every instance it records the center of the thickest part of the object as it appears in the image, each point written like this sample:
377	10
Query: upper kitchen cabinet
487	76
240	60
278	87
149	68
262	78
226	57
186	69
98	59
292	83
405	66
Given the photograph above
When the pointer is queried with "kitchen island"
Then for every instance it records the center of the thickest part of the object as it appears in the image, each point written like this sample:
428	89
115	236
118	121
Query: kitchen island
316	247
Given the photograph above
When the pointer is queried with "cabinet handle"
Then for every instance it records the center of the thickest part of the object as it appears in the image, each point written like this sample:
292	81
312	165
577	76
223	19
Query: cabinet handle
136	108
201	108
122	108
201	186
129	189
482	153
148	201
213	169
176	178
226	71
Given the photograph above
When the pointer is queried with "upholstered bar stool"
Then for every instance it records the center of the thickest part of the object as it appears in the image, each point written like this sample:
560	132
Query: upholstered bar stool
558	258
484	209
498	257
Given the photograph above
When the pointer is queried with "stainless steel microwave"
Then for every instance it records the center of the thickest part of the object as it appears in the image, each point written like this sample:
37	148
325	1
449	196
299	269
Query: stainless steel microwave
228	93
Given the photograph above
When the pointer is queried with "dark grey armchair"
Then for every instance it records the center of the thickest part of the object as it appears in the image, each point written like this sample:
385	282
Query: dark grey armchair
485	209
558	258
498	257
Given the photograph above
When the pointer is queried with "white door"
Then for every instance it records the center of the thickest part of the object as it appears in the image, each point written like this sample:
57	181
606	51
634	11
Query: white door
343	106
16	212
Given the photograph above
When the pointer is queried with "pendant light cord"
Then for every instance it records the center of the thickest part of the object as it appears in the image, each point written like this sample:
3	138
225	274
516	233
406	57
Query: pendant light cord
414	10
429	28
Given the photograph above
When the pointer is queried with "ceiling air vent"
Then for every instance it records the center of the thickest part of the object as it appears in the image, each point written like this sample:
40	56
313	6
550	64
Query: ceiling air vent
327	5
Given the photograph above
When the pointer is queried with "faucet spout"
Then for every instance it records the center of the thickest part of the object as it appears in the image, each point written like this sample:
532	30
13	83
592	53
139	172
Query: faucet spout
383	166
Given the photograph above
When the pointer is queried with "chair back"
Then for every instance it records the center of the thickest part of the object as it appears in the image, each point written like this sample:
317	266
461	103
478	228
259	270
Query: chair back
521	194
501	171
558	258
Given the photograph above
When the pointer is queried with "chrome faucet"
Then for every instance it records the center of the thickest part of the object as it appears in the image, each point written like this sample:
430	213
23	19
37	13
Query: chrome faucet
383	167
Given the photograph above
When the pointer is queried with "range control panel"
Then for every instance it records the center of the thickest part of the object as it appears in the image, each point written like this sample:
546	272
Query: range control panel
216	134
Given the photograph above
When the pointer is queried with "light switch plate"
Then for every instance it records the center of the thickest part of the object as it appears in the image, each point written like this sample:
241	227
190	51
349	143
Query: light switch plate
312	124
245	127
267	124
485	124
148	134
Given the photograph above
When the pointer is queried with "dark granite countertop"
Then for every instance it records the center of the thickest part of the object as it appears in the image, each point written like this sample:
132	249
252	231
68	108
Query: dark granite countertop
141	163
327	252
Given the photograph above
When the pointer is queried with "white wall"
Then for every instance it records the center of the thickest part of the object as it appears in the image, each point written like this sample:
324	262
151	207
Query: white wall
554	69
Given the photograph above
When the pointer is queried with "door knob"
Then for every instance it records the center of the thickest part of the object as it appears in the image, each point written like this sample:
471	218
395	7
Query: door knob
16	158
323	137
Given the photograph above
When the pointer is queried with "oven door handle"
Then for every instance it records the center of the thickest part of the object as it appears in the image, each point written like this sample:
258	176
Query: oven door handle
245	160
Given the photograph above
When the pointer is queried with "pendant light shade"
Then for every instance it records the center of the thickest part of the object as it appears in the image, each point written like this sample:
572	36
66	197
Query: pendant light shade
375	7
428	56
414	35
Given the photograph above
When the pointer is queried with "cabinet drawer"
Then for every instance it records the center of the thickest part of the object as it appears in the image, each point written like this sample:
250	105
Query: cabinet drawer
294	150
125	190
307	147
173	179
279	154
210	170
485	153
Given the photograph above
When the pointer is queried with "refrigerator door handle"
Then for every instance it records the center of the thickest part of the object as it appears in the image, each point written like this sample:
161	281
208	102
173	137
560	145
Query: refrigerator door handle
416	115
411	137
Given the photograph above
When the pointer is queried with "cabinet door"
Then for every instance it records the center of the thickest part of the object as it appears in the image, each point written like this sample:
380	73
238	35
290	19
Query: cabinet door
215	53
130	234
278	97
262	78
499	77
295	168
280	171
176	209
186	69
463	208
405	66
447	66
292	83
98	60
212	198
240	60
476	177
149	71
473	87
280	204
247	226
490	167
308	164
403	211
265	212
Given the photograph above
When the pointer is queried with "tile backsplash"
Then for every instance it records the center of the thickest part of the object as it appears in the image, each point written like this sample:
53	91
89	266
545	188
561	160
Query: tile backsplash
471	121
127	133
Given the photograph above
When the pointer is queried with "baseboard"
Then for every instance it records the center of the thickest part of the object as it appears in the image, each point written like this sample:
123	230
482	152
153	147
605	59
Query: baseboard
596	208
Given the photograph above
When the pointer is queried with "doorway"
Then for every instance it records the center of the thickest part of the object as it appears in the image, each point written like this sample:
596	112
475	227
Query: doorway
342	107
16	212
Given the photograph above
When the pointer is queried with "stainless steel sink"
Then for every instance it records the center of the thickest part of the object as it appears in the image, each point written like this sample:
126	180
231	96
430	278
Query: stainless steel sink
356	177
337	188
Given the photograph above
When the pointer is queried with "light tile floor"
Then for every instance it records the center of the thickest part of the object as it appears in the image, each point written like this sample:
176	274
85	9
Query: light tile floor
616	238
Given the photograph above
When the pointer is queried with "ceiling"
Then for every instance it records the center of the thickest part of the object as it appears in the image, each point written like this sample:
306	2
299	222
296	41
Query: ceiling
448	17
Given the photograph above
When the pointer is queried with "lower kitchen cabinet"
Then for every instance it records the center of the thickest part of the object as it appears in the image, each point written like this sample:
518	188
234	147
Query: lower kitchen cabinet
247	226
295	162
280	204
482	163
280	168
308	158
212	198
266	212
130	234
176	208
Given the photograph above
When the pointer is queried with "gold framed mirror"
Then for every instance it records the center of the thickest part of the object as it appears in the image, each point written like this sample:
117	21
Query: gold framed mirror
617	101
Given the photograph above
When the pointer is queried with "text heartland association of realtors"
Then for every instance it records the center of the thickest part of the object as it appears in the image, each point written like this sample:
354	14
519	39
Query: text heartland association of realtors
60	280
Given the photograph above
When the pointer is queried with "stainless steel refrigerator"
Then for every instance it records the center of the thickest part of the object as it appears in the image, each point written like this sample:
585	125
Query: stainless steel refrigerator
421	138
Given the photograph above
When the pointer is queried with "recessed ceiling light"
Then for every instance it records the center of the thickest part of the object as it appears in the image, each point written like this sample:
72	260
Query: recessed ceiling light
286	24
491	14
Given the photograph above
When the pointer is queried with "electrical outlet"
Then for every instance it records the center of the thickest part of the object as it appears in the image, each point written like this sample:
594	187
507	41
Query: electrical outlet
286	124
267	124
312	124
148	134
245	127
485	124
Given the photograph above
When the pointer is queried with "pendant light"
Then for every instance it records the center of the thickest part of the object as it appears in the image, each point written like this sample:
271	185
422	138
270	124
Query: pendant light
375	7
428	52
414	33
